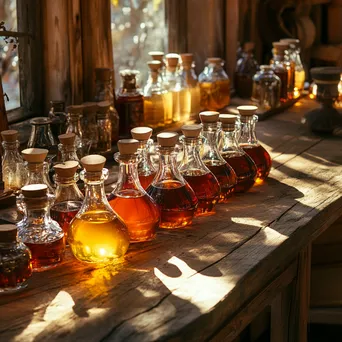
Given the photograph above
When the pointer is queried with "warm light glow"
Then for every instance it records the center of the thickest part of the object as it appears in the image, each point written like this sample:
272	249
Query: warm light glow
296	93
313	92
102	251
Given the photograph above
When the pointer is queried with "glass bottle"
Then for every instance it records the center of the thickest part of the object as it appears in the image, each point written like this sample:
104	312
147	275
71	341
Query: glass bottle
249	142
194	171
67	147
104	91
214	85
129	200
242	164
89	125
246	68
75	113
104	126
42	235
159	56
96	234
146	171
175	198
14	173
212	157
58	118
266	88
15	260
129	103
69	198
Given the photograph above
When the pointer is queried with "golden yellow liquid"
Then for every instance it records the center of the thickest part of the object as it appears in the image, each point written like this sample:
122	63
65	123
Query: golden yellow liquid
215	95
98	237
299	80
185	104
168	102
195	102
154	110
175	106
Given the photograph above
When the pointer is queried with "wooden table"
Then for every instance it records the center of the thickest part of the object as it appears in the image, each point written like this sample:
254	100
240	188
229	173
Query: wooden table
209	281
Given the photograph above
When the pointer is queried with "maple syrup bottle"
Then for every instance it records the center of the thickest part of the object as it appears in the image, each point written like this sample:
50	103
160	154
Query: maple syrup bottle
243	165
249	142
129	200
146	171
212	157
175	198
194	171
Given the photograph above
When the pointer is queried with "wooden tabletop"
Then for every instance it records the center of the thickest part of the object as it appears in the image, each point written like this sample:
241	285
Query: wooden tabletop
188	282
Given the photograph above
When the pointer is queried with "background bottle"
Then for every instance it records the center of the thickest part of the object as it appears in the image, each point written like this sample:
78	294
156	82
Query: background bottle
58	118
89	126
104	126
75	114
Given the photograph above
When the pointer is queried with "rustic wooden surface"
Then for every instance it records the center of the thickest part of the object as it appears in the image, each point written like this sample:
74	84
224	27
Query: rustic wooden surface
189	284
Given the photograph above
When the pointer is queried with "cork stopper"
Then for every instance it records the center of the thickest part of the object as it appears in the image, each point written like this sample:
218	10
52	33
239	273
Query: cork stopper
167	139
291	41
75	109
93	162
280	47
247	110
34	190
34	155
67	139
129	73
248	46
66	169
141	133
8	233
187	58
103	107
128	146
214	60
154	65
228	118
209	116
103	74
156	55
89	107
40	121
191	131
172	59
10	135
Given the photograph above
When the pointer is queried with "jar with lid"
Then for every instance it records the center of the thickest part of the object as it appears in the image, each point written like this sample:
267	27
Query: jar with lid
89	124
104	126
15	260
75	113
58	118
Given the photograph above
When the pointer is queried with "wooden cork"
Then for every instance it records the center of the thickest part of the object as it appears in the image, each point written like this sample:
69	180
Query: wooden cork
187	58
156	55
8	232
228	118
75	109
247	110
172	59
209	116
291	41
154	65
103	107
10	135
89	107
93	162
67	139
141	133
167	139
280	47
66	169
34	155
214	60
191	131
34	190
128	146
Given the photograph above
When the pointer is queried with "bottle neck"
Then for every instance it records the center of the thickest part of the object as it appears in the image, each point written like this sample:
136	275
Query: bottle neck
104	90
74	125
11	146
67	189
38	174
68	152
248	135
229	142
145	161
37	211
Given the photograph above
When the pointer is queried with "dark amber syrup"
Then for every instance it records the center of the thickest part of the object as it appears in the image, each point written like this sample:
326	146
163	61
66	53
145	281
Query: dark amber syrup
283	75
145	181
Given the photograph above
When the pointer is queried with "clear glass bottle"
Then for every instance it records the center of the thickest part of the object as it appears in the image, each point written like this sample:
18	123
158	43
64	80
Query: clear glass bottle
75	114
69	198
194	171
41	135
175	198
146	171
42	235
129	200
249	142
14	173
242	164
214	85
15	260
129	103
266	88
212	157
58	118
96	234
89	125
104	125
67	147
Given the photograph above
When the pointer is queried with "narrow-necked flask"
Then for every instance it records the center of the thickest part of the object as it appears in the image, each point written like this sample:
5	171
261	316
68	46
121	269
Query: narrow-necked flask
146	170
194	171
97	234
67	147
89	124
243	165
175	198
41	135
58	118
104	126
129	200
75	113
212	157
249	142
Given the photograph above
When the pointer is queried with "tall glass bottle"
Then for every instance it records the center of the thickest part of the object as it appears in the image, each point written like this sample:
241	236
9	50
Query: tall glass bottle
58	118
194	171
104	126
242	164
129	200
249	142
212	157
89	125
43	236
96	234
146	171
175	198
75	113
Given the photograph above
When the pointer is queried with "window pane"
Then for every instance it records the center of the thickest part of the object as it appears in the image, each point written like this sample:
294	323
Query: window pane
138	26
9	62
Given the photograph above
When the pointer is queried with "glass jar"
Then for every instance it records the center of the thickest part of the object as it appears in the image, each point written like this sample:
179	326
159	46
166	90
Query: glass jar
15	260
58	118
41	135
89	125
214	85
75	113
104	126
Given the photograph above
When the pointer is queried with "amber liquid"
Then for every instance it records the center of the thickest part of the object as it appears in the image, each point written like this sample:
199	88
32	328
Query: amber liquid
207	190
177	203
261	158
225	176
154	110
140	215
215	95
145	181
245	170
98	237
284	81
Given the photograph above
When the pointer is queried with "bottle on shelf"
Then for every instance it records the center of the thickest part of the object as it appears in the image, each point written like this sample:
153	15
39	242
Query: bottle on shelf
129	103
15	260
249	142
242	164
159	56
89	125
194	171
104	126
175	198
75	113
67	147
214	85
97	234
58	118
212	157
129	200
146	170
42	235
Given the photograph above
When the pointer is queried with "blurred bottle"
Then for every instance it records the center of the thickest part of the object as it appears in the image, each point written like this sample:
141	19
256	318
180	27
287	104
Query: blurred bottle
75	113
58	118
104	125
89	124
